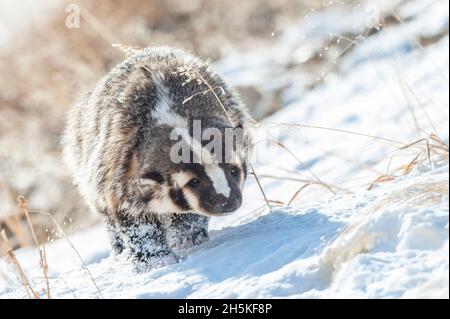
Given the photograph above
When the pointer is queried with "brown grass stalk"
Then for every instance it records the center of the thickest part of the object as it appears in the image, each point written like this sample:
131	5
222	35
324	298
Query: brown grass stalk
429	148
12	258
380	179
12	220
319	180
297	125
260	186
127	49
297	193
23	207
277	202
15	227
408	168
84	265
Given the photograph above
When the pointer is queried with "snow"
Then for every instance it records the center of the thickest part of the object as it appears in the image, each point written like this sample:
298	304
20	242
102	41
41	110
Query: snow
388	242
383	244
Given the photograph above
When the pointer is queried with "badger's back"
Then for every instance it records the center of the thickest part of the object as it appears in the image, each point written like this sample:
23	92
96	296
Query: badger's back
151	89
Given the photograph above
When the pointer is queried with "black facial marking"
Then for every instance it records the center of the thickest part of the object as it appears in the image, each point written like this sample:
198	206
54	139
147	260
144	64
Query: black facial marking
194	183
154	175
148	197
178	198
197	170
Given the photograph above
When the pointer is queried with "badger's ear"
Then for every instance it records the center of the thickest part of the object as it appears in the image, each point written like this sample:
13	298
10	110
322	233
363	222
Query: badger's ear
146	71
247	139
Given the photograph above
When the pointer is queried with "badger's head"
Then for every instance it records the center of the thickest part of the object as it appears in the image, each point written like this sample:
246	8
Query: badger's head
189	138
189	173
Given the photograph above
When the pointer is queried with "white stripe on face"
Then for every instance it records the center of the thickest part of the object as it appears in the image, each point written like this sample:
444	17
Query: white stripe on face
209	162
192	200
218	178
163	112
180	179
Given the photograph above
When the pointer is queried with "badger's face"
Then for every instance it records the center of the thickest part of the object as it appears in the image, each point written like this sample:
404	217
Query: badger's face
211	190
212	187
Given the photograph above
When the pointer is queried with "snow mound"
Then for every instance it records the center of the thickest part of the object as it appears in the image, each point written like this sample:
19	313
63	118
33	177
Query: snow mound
389	242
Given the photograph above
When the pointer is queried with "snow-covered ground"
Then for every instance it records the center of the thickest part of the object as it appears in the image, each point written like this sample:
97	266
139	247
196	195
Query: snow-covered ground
336	238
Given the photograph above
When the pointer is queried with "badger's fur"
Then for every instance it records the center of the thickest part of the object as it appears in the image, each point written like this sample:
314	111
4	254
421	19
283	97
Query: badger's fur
117	145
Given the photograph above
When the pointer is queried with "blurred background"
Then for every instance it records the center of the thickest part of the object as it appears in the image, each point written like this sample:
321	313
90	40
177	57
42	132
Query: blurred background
48	57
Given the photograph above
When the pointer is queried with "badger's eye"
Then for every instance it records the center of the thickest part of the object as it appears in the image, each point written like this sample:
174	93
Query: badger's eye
234	172
195	182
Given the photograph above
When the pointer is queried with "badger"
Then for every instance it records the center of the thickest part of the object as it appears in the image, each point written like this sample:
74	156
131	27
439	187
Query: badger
139	149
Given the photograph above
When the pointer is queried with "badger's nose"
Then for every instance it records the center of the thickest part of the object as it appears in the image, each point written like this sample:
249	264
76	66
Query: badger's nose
228	205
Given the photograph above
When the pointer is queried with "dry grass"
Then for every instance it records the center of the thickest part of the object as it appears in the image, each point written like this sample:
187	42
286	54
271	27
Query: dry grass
294	197
194	75
23	207
75	250
318	179
13	222
257	179
11	257
428	147
425	149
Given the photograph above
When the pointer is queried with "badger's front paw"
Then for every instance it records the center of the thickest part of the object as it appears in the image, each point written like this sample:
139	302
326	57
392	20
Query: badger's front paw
181	243
147	261
199	237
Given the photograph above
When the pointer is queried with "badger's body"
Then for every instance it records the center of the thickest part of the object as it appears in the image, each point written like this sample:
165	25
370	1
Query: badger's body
119	145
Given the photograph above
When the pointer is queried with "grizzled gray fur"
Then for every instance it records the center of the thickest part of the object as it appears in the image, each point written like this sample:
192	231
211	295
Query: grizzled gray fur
118	144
